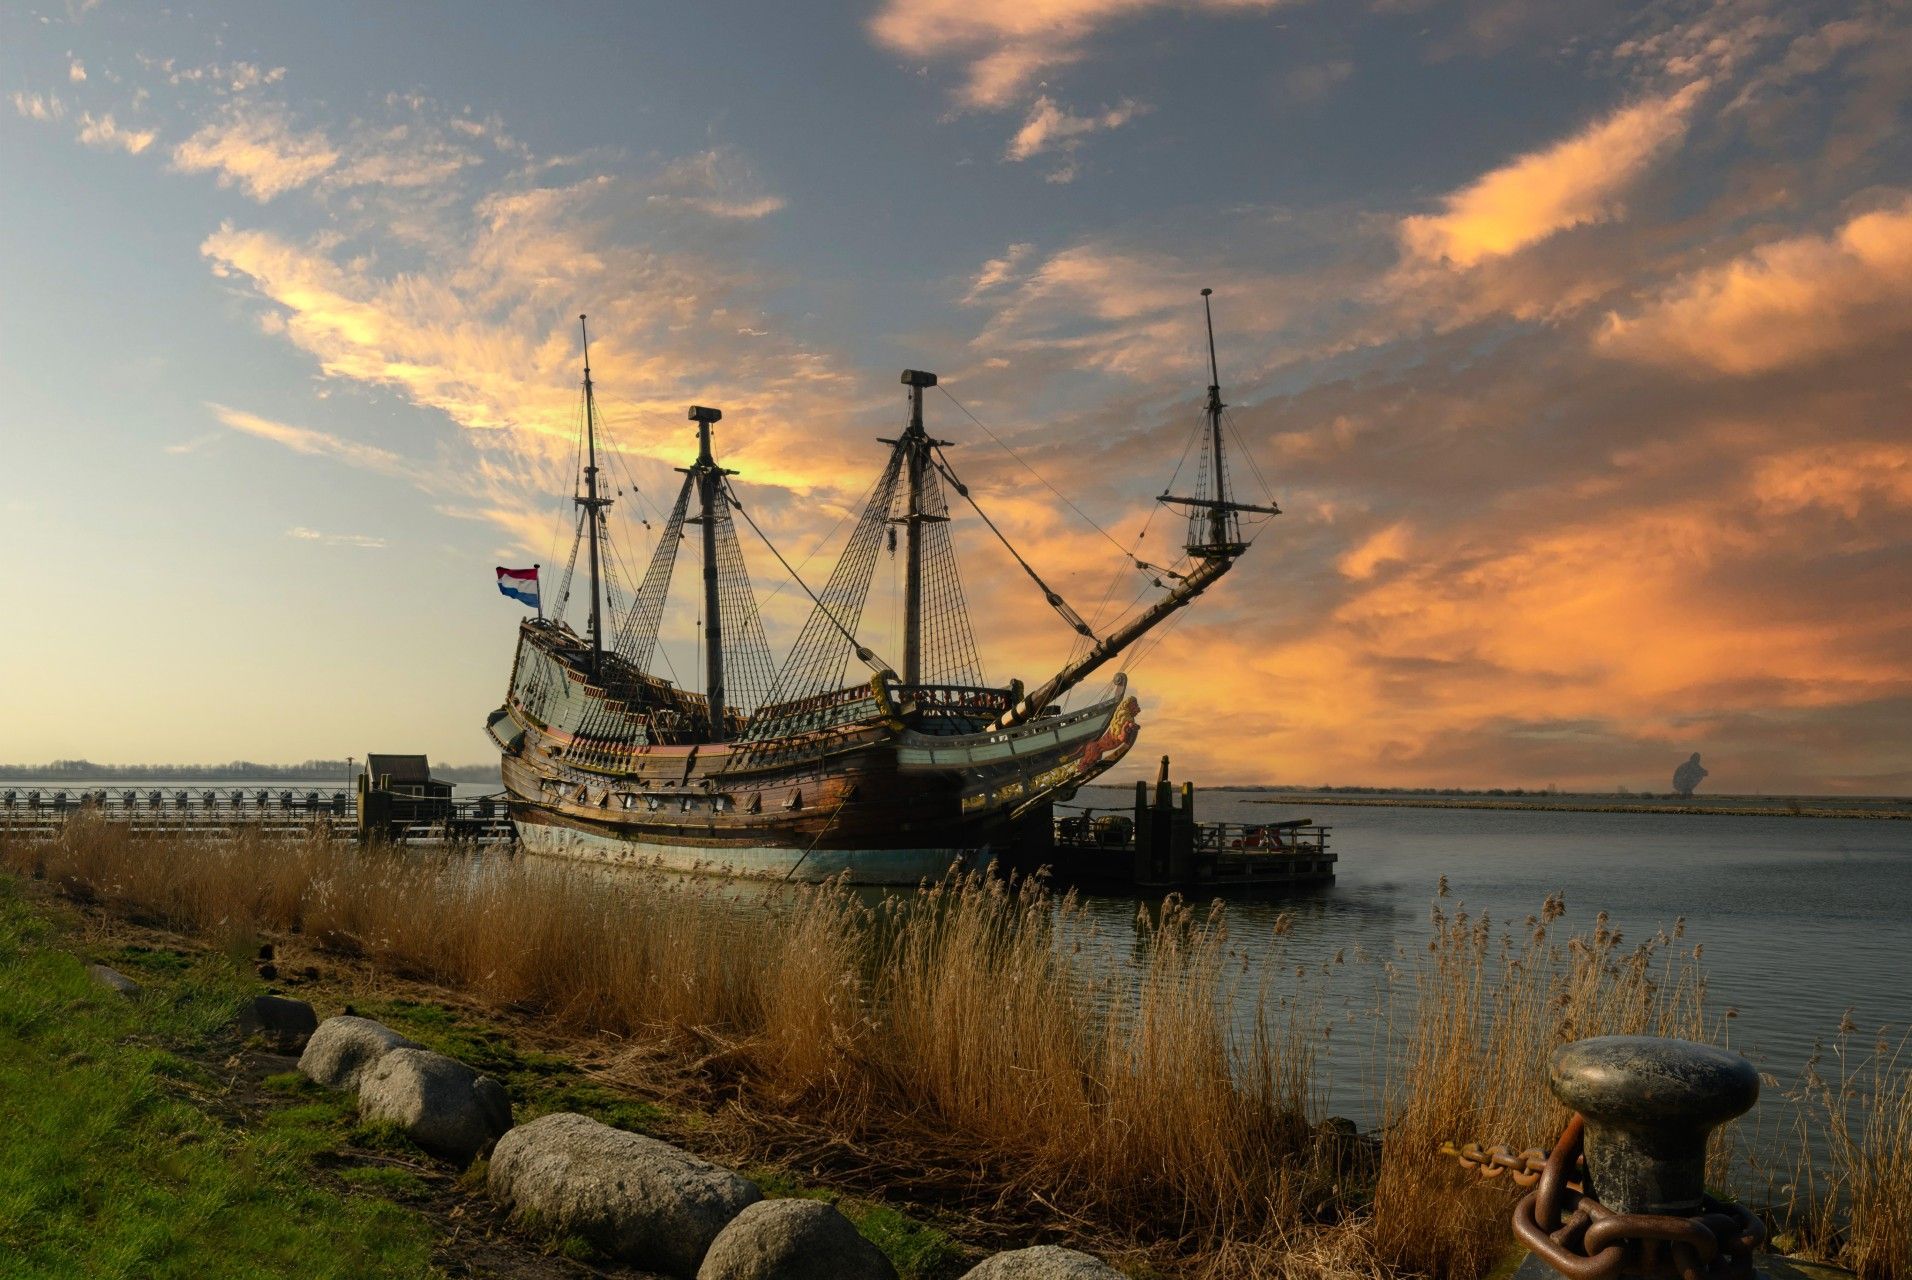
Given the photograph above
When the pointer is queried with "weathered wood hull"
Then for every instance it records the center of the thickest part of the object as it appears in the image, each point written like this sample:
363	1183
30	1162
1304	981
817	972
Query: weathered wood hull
857	791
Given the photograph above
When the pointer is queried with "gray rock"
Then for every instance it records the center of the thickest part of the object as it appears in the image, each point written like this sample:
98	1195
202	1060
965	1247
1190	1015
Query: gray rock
634	1198
113	980
793	1240
441	1104
1044	1262
285	1024
341	1050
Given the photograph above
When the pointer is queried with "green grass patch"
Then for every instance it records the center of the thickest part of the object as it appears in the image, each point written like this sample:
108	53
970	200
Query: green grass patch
917	1250
387	1180
112	1171
538	1083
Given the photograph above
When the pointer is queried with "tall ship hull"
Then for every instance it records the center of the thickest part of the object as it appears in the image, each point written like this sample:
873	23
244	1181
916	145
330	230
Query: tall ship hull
861	795
798	770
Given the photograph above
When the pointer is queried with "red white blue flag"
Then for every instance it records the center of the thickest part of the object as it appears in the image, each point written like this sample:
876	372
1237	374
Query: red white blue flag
520	584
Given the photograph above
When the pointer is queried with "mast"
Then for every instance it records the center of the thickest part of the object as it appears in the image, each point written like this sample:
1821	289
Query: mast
1215	548
916	445
709	478
593	505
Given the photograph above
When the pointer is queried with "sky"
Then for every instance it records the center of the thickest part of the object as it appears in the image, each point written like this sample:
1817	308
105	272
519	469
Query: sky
1574	340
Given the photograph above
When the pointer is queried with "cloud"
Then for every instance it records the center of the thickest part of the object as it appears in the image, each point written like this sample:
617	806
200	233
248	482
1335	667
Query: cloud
717	182
1385	546
318	444
998	271
101	131
1578	180
44	107
76	71
363	542
1784	303
1306	84
1053	128
256	149
1008	44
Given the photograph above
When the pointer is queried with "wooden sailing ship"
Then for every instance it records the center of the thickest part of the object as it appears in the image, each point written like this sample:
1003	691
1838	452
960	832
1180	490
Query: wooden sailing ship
800	770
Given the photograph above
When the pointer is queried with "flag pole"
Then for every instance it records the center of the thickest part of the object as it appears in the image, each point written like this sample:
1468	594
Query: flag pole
537	579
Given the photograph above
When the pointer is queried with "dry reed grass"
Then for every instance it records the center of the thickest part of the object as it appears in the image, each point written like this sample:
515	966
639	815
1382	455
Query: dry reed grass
966	1019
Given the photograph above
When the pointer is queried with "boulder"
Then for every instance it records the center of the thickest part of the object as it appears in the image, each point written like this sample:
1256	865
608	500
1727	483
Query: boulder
1044	1262
793	1240
286	1025
634	1198
441	1104
113	980
341	1050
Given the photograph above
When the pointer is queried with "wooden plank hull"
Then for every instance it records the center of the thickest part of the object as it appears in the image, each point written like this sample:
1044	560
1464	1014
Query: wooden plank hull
880	792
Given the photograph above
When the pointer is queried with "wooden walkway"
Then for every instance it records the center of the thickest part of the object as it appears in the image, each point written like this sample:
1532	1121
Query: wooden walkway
41	813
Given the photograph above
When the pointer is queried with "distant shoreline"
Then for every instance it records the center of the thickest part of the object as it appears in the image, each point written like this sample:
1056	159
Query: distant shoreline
1566	805
1886	807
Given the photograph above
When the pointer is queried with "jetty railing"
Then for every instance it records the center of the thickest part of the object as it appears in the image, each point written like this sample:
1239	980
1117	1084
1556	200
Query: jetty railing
274	812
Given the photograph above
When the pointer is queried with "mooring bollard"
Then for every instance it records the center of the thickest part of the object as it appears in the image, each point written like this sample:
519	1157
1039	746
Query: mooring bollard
1637	1207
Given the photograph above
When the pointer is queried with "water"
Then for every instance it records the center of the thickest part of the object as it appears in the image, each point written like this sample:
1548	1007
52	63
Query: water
1800	919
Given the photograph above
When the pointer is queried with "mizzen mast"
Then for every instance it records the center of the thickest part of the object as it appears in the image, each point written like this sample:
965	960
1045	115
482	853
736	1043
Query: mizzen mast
593	506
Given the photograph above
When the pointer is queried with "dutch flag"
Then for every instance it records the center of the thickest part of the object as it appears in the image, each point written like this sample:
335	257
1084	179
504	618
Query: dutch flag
520	584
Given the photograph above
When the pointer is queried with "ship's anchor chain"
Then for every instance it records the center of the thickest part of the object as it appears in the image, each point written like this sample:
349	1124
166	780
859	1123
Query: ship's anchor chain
1652	1103
1498	1160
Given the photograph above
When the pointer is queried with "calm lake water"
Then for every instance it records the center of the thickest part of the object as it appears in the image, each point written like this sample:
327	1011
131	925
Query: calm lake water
1800	918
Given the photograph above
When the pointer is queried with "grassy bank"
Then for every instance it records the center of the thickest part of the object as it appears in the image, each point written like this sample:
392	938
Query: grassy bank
118	1162
952	1048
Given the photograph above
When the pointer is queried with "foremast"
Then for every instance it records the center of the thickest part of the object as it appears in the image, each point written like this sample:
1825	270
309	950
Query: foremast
1214	543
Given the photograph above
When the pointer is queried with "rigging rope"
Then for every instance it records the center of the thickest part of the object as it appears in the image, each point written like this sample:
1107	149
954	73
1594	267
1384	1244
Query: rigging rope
1049	593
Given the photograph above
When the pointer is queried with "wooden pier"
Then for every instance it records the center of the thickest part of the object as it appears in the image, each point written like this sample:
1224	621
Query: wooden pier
1161	847
277	813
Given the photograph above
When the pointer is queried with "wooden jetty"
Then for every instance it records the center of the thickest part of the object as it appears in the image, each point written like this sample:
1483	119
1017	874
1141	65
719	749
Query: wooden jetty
1161	847
396	801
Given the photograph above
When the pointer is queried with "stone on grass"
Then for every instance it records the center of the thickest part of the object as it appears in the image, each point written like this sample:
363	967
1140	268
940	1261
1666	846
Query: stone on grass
441	1104
343	1048
793	1240
633	1198
1044	1262
285	1024
113	980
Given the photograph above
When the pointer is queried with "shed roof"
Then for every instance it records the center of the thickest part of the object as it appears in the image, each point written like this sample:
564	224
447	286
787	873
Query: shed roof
399	768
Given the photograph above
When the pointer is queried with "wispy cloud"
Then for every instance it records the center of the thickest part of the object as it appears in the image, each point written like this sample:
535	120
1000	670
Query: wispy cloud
256	149
718	182
1578	180
1053	128
363	542
102	131
76	71
44	107
1007	45
318	444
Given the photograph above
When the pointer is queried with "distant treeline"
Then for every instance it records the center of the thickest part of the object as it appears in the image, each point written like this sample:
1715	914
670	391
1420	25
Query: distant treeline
231	771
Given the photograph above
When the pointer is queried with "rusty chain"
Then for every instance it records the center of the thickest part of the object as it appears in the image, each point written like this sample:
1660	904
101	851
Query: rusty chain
1582	1239
1498	1160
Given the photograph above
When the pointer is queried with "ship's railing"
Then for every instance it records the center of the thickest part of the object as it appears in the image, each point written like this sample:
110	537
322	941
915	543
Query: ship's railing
1264	837
955	699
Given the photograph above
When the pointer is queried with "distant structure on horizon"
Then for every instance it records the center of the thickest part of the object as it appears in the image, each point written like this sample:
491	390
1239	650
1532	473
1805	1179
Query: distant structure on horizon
1688	776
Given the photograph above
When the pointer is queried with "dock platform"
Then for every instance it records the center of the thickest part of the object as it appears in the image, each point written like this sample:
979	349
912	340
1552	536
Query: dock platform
1161	847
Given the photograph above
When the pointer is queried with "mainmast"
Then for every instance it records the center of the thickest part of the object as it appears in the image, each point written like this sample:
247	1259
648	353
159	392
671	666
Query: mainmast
916	445
593	506
709	478
1214	543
